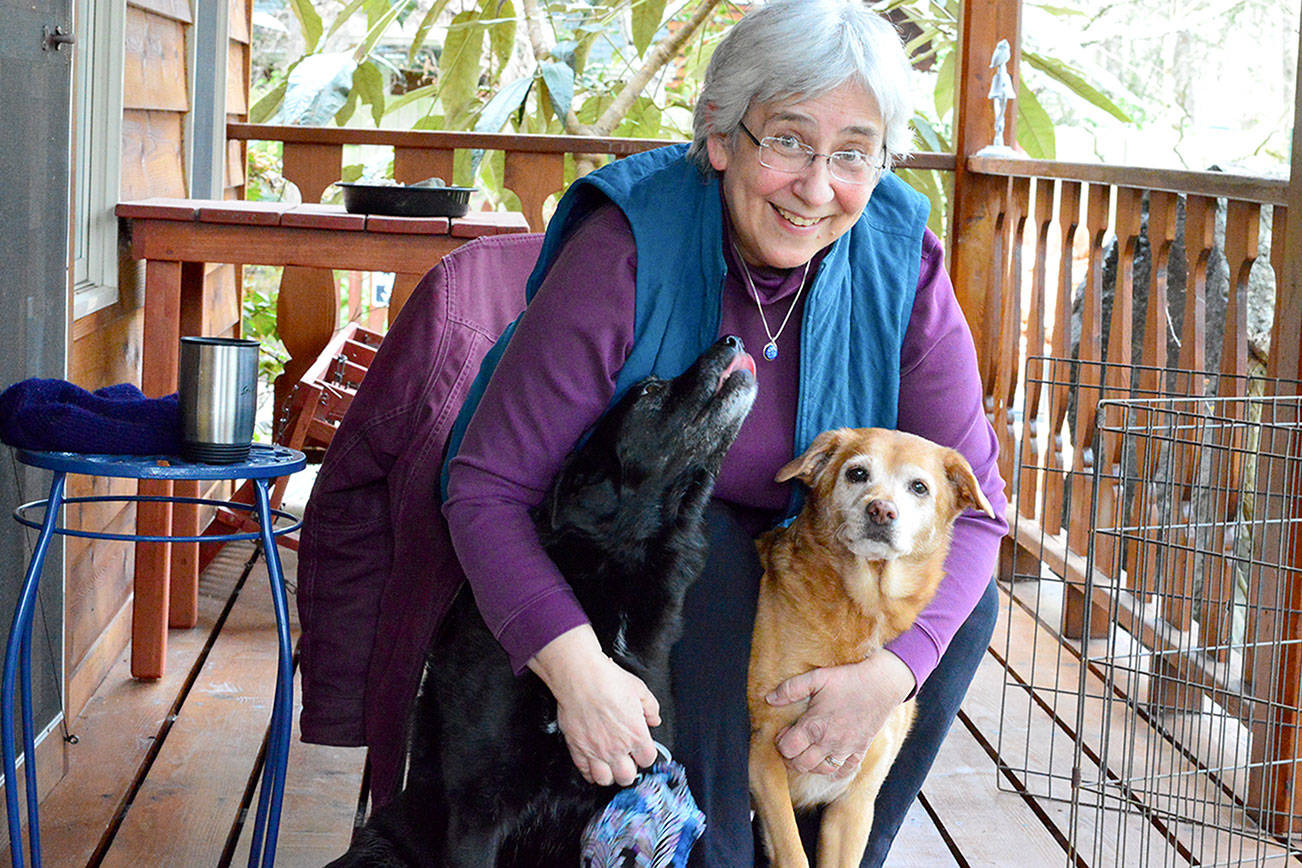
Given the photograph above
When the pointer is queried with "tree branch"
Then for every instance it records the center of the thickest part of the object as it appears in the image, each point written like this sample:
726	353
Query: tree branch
659	55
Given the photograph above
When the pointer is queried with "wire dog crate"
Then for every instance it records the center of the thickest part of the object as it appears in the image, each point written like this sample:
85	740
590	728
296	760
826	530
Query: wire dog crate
1159	697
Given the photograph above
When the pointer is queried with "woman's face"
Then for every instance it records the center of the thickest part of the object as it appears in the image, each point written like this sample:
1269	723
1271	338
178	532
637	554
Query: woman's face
781	220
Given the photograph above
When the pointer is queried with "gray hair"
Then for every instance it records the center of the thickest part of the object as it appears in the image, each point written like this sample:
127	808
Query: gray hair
803	49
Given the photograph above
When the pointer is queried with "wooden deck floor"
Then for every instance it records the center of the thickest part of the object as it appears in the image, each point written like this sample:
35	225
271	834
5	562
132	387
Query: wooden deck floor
163	774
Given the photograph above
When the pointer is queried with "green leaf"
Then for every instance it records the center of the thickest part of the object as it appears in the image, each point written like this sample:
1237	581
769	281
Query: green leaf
425	91
266	107
343	16
459	65
1034	126
503	103
559	80
423	29
926	183
368	83
647	16
316	88
376	31
352	172
345	113
309	20
499	17
944	93
1064	74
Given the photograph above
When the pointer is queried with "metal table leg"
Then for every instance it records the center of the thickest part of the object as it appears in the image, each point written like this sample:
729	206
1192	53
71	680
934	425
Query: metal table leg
267	823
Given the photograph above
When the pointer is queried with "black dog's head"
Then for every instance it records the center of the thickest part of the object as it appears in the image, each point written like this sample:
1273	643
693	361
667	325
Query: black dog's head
661	444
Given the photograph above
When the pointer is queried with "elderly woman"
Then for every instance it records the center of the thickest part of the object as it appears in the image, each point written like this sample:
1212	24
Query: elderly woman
781	223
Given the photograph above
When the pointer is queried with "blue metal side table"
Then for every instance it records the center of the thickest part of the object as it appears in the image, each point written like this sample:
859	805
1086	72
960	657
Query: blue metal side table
264	465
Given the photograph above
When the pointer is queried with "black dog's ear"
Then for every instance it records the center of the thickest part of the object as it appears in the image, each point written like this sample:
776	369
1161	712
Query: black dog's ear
807	467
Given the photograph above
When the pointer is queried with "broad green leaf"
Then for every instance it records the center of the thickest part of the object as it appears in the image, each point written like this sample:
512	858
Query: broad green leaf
376	31
309	20
1061	72
647	15
642	120
345	114
425	91
926	183
317	88
926	134
559	79
459	65
499	17
944	93
266	107
368	83
352	172
422	29
1034	127
343	16
503	103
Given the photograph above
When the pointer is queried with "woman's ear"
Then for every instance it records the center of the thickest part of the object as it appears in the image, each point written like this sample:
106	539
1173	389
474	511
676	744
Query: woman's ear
716	145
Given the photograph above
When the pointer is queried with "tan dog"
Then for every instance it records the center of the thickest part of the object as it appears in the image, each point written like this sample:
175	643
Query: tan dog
852	572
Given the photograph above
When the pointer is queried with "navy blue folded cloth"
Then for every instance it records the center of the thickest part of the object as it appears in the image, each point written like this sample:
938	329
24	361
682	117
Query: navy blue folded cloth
57	416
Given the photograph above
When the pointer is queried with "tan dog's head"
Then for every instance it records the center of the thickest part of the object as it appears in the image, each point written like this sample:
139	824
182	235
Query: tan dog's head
885	494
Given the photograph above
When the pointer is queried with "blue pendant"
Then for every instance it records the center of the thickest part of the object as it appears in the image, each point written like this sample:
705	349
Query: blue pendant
770	351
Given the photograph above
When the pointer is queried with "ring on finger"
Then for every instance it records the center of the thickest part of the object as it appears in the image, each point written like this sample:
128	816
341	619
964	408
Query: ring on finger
833	762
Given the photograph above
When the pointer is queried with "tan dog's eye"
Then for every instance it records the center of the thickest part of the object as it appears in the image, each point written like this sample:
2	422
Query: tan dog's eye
918	487
856	474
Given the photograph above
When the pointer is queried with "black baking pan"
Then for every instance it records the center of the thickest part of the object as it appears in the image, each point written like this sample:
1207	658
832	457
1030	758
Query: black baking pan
405	201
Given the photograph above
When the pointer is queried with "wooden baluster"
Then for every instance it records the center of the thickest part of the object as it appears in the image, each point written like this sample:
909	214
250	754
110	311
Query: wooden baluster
1199	226
533	177
1088	390
1116	384
1069	193
1279	335
1031	461
1010	325
1149	450
416	164
1242	227
307	306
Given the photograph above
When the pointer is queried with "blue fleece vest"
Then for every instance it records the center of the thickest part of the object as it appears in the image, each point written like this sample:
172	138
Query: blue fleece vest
856	311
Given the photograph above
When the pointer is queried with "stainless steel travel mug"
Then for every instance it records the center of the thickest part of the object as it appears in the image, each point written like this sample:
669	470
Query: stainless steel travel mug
217	380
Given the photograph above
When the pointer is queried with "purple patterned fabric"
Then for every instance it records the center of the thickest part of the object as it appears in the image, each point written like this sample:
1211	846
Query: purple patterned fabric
651	824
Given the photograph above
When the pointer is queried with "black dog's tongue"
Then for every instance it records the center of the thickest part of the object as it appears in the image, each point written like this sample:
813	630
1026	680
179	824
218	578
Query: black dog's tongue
740	362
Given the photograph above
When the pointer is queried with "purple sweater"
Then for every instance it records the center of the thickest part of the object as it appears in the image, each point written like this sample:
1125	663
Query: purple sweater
558	375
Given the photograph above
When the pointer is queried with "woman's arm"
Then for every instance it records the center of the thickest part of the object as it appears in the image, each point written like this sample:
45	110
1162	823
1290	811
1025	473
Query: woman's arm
554	380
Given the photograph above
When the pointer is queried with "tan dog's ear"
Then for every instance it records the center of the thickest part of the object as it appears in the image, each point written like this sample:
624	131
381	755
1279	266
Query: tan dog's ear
967	490
807	467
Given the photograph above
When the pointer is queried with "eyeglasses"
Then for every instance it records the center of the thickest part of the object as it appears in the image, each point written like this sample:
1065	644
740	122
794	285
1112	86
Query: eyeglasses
790	155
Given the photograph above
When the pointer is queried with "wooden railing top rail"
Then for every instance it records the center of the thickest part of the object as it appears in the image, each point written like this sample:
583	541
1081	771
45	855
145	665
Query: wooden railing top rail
1244	188
528	143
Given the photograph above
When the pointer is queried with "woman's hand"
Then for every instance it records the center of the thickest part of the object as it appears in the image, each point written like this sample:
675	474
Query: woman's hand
603	710
847	706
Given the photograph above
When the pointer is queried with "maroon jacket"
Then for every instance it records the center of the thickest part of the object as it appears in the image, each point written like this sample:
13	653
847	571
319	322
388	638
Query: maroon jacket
376	569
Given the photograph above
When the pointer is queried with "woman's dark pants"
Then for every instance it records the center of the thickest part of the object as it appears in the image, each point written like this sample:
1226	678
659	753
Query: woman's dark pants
713	732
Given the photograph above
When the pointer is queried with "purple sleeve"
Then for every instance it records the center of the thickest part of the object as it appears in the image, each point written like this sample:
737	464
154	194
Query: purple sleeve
940	399
554	380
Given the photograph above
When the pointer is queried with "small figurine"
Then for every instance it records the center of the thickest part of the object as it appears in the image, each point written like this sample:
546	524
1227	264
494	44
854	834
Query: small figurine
1001	89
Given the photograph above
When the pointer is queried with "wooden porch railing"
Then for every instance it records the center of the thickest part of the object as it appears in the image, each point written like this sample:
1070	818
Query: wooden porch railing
1061	330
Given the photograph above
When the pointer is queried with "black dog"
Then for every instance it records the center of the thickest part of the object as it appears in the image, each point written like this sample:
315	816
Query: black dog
489	780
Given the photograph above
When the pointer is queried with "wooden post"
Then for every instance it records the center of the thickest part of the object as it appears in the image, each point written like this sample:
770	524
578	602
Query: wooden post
1274	794
984	23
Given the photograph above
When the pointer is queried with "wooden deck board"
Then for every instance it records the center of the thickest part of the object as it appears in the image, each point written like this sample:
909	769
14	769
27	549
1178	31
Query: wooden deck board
198	779
190	800
118	727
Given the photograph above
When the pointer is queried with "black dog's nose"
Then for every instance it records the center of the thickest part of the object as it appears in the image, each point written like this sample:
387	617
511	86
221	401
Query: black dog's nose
881	512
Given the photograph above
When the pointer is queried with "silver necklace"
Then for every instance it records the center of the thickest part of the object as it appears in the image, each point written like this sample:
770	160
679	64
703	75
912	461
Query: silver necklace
771	348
